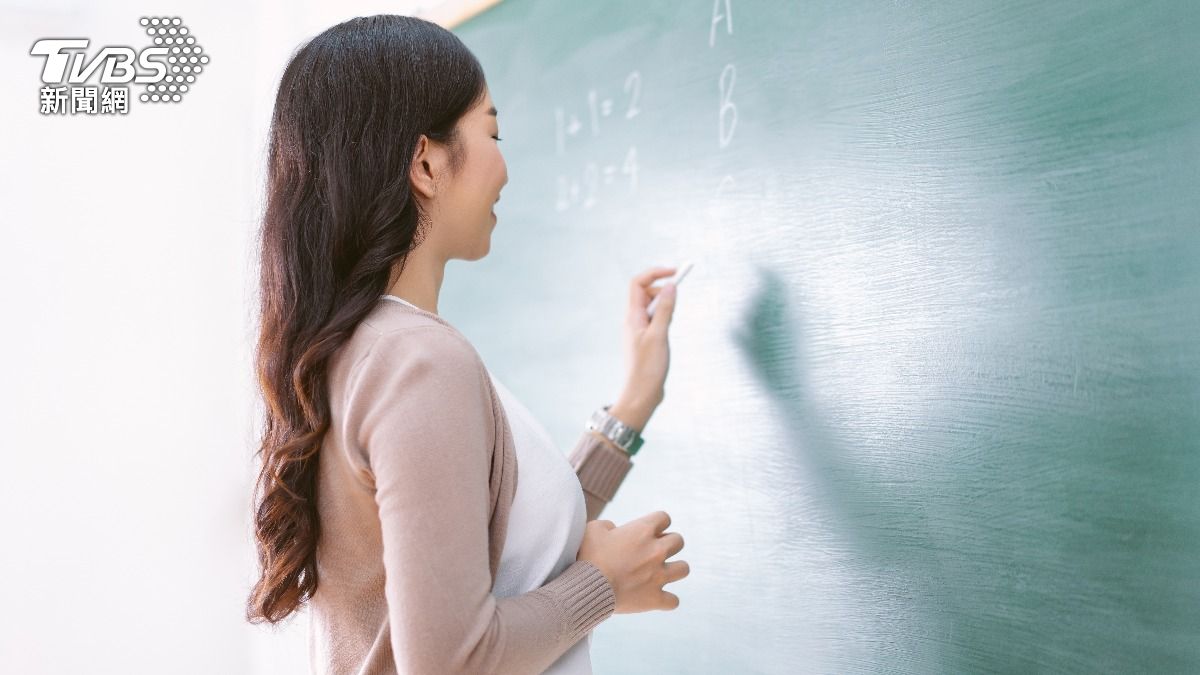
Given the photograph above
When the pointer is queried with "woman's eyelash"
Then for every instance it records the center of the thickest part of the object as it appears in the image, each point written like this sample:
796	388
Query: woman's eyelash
497	138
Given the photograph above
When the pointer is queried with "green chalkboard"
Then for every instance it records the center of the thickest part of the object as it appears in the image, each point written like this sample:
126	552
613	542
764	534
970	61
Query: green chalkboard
934	401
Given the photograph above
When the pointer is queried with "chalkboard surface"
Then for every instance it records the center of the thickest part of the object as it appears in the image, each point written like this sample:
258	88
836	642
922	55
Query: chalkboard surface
934	402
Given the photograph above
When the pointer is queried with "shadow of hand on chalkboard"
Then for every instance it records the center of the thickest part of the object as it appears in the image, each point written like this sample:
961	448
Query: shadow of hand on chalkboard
884	530
771	341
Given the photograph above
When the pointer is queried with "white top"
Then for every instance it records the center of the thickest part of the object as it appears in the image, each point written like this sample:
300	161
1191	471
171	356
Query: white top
545	526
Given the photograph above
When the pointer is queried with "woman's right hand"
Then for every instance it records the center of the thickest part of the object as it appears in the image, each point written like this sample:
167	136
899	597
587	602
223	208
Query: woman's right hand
647	348
633	557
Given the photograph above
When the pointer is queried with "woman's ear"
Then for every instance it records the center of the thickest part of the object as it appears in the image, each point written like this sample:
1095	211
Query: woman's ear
426	171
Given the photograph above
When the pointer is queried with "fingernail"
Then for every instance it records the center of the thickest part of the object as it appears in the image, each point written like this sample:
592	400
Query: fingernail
669	290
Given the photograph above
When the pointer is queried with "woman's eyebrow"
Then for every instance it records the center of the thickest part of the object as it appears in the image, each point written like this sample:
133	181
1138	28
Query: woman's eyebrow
492	111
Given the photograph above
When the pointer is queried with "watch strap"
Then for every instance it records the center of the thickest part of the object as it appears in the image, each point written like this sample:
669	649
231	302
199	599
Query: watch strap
622	435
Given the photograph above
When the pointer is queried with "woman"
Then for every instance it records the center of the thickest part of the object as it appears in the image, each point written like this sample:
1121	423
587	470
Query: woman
388	497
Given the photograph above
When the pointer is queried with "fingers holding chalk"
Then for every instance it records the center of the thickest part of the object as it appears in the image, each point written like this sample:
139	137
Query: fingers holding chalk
674	281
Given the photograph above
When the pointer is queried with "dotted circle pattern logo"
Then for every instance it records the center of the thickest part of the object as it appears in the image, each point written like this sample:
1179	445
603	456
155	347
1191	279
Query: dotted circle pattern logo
185	60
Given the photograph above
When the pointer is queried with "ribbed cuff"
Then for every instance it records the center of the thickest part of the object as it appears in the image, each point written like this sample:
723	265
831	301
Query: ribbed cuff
585	596
600	465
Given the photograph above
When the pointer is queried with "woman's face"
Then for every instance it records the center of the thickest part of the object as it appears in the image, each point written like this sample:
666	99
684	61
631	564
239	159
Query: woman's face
465	201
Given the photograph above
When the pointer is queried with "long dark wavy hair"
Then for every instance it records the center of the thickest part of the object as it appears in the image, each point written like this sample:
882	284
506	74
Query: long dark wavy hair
339	219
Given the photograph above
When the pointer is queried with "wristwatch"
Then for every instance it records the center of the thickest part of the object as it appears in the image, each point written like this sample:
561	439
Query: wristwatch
622	435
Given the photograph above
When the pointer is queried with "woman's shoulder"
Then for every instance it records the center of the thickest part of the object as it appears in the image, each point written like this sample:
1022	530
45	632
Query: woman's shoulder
394	333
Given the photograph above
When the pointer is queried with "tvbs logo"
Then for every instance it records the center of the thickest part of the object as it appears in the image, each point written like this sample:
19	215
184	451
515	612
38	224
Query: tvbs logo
117	62
167	69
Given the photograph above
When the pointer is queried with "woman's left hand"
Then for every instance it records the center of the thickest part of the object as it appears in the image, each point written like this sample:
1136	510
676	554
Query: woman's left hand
647	351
